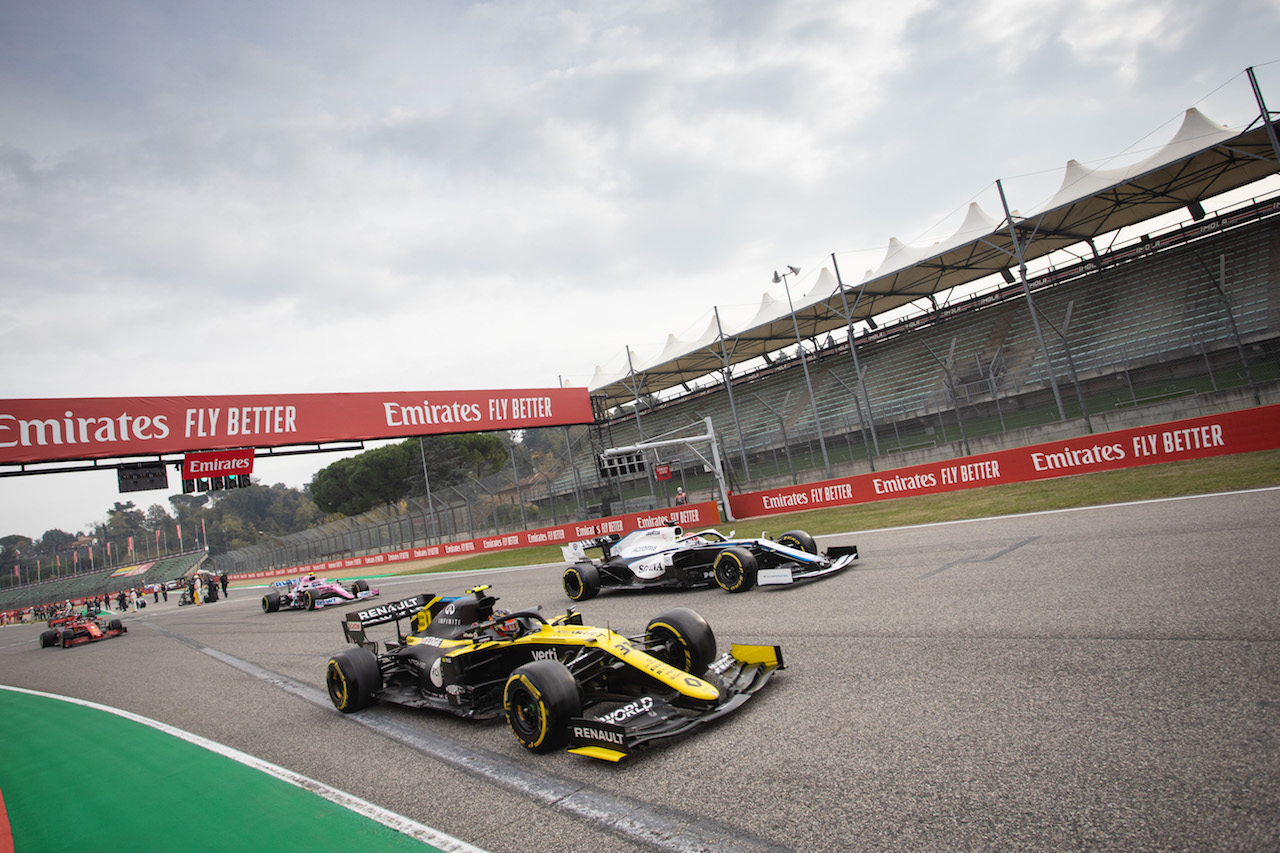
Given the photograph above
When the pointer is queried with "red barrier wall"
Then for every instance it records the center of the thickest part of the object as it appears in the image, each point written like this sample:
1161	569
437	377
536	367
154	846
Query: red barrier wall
694	515
1213	435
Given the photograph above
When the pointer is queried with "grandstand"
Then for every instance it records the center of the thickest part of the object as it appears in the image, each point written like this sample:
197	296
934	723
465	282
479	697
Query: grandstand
104	582
1141	320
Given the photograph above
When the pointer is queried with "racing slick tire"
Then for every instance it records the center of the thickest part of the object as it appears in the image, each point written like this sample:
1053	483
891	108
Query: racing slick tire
799	540
682	638
540	699
352	677
309	599
48	638
115	625
359	587
581	581
67	635
735	569
271	602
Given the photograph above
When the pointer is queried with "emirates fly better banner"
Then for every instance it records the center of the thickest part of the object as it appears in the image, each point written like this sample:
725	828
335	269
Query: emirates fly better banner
99	427
1241	431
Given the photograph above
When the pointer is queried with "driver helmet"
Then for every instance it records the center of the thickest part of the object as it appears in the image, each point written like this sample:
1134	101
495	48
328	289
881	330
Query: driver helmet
505	627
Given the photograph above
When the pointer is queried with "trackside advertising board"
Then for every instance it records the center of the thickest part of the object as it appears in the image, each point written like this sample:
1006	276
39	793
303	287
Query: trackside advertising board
99	427
1213	435
694	515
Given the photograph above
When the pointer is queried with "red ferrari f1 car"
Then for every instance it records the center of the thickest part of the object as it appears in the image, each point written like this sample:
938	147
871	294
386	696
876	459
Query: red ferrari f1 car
81	628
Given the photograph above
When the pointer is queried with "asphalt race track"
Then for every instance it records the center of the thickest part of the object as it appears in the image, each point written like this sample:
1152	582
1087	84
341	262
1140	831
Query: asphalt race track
1098	679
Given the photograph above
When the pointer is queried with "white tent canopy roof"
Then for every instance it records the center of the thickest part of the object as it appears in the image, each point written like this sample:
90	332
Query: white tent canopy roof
1202	160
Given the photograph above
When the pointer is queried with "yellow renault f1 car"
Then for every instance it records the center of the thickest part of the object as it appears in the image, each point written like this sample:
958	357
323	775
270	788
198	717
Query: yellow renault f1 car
558	682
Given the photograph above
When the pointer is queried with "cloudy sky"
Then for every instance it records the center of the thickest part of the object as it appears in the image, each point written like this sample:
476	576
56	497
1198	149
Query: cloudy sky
260	197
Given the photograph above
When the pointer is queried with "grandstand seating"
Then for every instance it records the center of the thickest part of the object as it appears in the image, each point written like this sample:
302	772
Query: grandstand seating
100	582
1138	308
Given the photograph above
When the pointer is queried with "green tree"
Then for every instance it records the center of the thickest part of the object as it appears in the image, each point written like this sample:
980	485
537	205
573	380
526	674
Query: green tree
54	539
387	474
359	483
484	453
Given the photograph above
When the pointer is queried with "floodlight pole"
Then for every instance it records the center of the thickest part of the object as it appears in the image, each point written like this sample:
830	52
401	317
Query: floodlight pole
635	390
577	478
728	386
804	363
1026	291
1266	115
853	350
1071	365
422	453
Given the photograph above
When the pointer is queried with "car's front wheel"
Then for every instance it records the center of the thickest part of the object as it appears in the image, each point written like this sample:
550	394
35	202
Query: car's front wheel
540	698
581	581
681	638
735	569
352	677
799	540
359	587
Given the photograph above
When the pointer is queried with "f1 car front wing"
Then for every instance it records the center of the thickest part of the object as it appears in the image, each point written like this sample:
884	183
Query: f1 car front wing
612	736
837	559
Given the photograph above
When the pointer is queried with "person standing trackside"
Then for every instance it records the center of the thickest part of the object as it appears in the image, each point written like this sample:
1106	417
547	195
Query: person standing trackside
222	579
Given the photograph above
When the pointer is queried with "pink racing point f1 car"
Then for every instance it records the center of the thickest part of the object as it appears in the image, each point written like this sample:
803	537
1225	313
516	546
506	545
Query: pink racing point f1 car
312	593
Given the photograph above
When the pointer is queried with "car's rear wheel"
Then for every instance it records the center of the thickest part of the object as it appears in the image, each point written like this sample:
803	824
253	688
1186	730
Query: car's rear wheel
799	540
540	698
682	638
581	581
735	569
352	677
359	587
48	638
271	602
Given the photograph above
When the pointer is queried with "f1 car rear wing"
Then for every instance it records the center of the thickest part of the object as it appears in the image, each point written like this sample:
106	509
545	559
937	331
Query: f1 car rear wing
353	624
462	610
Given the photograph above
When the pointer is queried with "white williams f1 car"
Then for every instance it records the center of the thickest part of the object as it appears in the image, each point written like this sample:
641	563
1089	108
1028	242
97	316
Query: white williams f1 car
666	558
